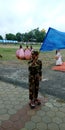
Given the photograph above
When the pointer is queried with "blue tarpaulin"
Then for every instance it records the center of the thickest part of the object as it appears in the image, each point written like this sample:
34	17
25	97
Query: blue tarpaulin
54	40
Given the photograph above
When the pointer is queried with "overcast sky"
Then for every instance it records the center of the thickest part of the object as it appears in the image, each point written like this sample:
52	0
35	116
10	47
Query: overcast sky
25	15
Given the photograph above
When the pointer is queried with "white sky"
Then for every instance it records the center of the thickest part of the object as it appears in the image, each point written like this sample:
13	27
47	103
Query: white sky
25	15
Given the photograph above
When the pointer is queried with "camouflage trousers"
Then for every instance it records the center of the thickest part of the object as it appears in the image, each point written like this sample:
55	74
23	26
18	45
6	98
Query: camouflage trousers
33	87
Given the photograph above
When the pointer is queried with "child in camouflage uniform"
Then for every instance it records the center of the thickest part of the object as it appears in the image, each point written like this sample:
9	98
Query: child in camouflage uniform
35	74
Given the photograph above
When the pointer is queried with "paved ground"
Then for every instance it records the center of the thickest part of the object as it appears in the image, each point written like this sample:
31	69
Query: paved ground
15	113
53	82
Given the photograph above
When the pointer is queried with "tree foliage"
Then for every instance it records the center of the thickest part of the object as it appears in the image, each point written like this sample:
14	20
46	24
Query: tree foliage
19	37
10	36
34	35
1	38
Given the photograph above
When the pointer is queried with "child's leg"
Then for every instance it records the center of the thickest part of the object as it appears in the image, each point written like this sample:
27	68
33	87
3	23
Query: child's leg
31	92
37	101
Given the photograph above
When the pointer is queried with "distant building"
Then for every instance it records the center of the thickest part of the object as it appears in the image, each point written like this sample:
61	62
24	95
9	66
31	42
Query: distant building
8	41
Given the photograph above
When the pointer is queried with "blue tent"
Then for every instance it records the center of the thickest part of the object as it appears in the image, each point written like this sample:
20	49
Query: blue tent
54	40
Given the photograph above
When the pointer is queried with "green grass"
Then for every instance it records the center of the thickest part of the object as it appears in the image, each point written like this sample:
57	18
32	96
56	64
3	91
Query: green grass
9	51
9	54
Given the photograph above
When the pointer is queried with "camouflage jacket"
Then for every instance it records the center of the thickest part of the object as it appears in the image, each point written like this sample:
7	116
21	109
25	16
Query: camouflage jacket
36	68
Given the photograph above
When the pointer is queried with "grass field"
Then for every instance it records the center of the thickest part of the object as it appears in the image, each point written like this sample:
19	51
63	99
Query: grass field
8	53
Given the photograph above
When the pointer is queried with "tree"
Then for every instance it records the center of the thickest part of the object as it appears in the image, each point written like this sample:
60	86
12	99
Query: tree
19	37
1	38
39	35
34	35
25	37
10	36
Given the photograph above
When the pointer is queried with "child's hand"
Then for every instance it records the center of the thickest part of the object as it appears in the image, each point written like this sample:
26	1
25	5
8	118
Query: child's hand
56	57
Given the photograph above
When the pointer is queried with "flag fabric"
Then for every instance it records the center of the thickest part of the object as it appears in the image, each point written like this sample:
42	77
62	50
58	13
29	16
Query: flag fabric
54	40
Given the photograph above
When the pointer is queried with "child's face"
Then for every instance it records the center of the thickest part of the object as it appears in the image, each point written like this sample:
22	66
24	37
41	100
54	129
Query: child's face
36	57
33	56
